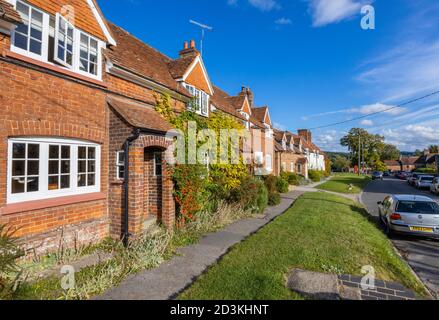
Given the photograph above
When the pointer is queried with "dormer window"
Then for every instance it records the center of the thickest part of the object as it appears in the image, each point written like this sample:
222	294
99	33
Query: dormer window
55	40
284	145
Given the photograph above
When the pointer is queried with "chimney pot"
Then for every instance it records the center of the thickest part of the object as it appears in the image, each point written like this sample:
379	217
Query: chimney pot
192	44
186	45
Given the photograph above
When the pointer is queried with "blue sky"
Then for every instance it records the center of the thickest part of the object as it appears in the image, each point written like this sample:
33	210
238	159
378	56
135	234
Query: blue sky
310	60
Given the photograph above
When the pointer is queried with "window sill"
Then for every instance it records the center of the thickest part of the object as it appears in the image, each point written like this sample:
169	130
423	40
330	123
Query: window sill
52	67
50	203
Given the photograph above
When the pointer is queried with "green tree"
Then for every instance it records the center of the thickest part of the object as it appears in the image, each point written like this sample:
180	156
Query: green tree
418	153
390	152
372	145
340	163
433	149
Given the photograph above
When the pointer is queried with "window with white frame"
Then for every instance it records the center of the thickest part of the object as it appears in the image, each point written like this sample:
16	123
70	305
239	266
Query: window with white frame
284	166
88	54
40	168
64	41
158	170
55	40
29	35
200	103
292	167
268	162
120	165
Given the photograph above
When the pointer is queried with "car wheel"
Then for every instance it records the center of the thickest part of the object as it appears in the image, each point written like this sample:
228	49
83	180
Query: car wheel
388	231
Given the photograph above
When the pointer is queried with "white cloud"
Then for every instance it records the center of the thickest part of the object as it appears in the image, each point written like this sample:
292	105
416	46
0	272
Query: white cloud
378	107
265	5
363	110
325	12
412	137
283	21
367	123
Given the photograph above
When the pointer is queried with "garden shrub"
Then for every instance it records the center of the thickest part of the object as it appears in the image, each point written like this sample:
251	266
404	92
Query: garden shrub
271	184
282	185
293	178
9	253
315	175
274	199
426	170
251	195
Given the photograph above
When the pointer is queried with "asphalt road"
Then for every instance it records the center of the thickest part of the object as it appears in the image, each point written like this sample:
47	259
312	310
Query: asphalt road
421	253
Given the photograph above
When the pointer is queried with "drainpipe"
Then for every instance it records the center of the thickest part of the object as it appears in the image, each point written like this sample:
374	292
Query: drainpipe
134	136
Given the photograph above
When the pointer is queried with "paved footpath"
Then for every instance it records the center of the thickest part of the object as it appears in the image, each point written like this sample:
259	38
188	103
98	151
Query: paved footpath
174	276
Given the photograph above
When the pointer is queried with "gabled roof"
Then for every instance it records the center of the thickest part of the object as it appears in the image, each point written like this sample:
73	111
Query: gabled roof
391	163
408	161
186	68
179	66
139	115
262	114
8	13
220	100
137	57
237	101
279	135
87	16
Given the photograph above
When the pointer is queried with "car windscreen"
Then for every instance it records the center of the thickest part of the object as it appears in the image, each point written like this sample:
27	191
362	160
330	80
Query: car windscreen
418	207
427	179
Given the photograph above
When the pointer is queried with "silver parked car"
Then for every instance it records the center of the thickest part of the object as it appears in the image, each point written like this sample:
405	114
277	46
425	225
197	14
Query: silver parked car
410	214
424	182
434	188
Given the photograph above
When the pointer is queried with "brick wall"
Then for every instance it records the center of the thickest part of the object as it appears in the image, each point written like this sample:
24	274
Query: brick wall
38	104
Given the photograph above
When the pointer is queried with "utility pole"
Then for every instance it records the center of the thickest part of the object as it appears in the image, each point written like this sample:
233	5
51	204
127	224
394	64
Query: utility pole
359	154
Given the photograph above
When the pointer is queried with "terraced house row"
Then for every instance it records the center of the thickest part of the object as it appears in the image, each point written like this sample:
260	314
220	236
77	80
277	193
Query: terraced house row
77	97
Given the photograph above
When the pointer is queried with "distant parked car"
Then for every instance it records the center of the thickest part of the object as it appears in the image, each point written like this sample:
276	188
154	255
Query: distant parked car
434	188
414	178
377	175
410	214
386	174
424	182
403	175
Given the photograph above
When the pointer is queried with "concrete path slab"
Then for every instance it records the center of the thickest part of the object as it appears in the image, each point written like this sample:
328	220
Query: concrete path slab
174	276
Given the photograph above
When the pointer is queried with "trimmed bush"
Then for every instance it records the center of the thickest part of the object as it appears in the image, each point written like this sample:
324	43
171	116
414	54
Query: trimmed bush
251	195
314	175
282	185
293	178
426	170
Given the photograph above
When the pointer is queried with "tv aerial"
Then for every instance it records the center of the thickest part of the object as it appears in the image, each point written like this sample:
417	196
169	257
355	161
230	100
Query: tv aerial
204	28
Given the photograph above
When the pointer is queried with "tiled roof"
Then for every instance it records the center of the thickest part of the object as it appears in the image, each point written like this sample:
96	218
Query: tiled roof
220	100
84	18
392	163
136	56
179	66
408	161
237	101
259	113
139	115
8	13
279	135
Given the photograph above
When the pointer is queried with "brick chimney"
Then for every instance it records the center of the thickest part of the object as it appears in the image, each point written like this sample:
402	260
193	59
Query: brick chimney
189	49
306	134
251	98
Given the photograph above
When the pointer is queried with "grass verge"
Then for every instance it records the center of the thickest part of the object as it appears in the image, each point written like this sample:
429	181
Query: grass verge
144	253
345	183
321	232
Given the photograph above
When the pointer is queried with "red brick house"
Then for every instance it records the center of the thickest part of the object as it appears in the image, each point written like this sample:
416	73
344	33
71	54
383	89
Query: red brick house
82	147
54	121
289	154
